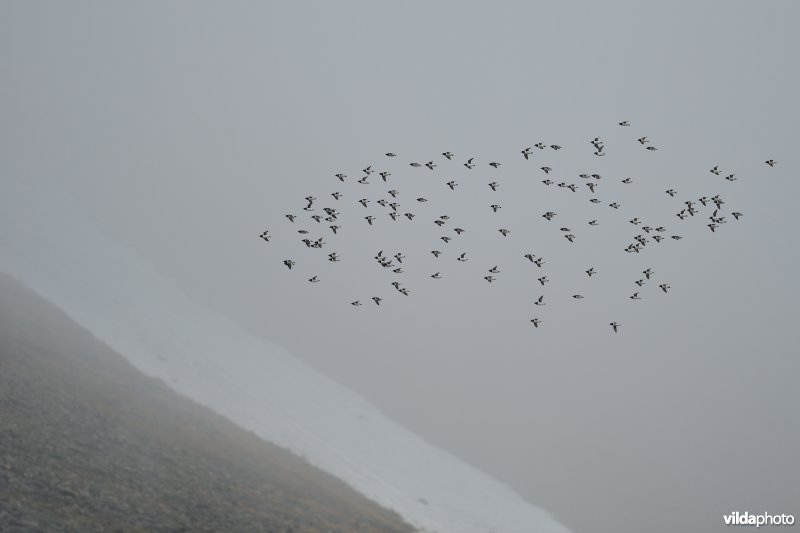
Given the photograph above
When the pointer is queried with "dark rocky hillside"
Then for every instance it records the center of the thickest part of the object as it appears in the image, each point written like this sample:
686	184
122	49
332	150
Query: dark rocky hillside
89	444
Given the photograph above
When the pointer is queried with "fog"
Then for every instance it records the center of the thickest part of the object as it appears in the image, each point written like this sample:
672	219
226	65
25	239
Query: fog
186	129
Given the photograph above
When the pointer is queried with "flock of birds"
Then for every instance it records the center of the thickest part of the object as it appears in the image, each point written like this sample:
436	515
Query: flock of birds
647	234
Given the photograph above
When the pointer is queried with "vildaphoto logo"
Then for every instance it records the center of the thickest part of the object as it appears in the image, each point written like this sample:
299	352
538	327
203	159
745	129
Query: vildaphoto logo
764	519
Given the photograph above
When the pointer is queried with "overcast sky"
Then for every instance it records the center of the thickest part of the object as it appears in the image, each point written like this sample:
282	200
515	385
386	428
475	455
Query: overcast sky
187	128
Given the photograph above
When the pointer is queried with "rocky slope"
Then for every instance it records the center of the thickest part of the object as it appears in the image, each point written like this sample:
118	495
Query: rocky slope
87	443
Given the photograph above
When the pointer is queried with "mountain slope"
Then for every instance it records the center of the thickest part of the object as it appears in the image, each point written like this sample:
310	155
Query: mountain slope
121	300
87	443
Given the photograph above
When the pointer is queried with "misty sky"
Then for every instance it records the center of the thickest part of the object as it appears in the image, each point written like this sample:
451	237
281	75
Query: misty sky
187	128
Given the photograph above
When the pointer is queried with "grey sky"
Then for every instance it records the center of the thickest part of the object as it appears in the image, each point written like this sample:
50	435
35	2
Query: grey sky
188	128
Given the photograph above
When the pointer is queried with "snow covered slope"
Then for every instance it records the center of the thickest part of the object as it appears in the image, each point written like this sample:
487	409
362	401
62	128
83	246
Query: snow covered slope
49	245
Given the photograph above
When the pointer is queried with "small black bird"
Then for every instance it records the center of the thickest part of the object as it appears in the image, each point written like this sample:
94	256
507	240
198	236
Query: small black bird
291	218
535	322
495	207
505	232
770	162
448	155
494	165
289	263
547	170
614	325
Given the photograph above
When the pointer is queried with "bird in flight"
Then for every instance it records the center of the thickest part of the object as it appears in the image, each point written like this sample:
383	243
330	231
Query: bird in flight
651	235
536	322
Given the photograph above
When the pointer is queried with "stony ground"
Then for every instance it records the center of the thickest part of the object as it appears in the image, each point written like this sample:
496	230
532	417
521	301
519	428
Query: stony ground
88	444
